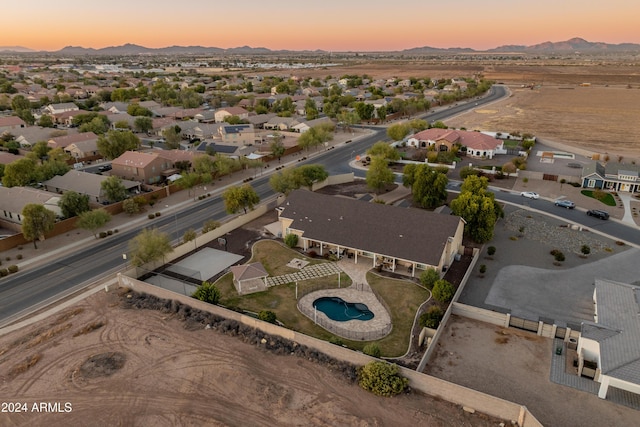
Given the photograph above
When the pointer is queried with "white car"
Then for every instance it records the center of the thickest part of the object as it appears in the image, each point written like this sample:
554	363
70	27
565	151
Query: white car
530	195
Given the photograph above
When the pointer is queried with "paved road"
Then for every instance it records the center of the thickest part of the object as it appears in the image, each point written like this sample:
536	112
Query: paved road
22	291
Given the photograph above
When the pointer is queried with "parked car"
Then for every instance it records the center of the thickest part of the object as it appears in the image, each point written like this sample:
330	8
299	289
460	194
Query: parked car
104	168
598	213
565	203
530	195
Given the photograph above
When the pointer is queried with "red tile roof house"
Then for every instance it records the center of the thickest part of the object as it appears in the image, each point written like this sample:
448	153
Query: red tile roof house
403	240
477	144
142	167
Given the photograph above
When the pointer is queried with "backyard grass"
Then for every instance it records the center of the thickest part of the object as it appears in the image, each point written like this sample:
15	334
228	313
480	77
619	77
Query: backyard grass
607	199
403	298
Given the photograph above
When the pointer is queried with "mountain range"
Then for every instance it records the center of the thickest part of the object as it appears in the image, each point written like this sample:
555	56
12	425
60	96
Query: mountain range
574	45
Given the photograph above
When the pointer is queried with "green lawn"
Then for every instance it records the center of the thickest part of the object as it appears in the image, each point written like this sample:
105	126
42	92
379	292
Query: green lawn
403	297
607	199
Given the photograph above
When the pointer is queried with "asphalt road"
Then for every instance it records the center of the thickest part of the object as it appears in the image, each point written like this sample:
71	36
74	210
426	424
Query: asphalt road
24	291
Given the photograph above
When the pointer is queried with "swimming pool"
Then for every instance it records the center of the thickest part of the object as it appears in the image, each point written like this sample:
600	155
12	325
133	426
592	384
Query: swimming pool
341	311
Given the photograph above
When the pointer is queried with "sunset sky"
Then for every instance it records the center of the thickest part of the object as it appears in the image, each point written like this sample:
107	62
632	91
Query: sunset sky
332	25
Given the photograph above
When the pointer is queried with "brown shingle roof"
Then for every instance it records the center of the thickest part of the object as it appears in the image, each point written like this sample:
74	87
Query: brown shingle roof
405	233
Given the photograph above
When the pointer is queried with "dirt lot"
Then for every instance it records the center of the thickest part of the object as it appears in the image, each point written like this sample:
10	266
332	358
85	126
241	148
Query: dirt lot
514	365
118	366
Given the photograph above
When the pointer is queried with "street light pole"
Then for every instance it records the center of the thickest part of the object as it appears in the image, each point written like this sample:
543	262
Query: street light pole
175	217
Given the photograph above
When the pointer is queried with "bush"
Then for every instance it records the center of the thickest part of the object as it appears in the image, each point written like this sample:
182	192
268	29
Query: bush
312	254
109	232
429	277
483	268
585	249
4	272
559	256
371	349
19	256
207	292
267	316
209	225
8	258
443	291
431	319
381	378
491	250
158	214
151	216
291	240
103	234
13	268
336	340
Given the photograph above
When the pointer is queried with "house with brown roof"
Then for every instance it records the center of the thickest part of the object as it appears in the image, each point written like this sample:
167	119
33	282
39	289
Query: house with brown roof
406	240
14	199
223	113
84	150
147	168
9	123
64	141
477	144
85	183
251	276
54	109
243	134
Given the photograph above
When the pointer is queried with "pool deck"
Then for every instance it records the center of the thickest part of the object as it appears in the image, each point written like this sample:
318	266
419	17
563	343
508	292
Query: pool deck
358	292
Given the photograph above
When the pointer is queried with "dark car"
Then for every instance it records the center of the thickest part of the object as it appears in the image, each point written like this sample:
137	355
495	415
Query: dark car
598	213
104	168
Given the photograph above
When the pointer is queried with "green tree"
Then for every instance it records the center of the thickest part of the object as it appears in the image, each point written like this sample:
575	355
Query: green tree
291	240
277	147
98	125
122	125
40	150
384	150
148	246
73	204
130	206
134	109
466	171
51	168
348	118
189	235
428	186
143	124
188	181
267	316
381	378
311	109
172	136
508	168
365	111
207	292
398	131
45	121
431	319
93	220
307	175
113	188
429	277
443	291
478	208
236	198
115	143
19	173
379	175
36	222
381	112
209	225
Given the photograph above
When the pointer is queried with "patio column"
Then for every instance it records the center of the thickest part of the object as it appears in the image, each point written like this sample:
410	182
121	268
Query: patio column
413	269
375	256
355	256
604	387
320	248
393	264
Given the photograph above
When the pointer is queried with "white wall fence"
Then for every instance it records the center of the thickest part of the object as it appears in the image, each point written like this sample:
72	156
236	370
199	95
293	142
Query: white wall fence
333	180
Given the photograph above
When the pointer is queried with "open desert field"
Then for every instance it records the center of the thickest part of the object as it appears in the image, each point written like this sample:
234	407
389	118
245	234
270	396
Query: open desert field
601	118
105	365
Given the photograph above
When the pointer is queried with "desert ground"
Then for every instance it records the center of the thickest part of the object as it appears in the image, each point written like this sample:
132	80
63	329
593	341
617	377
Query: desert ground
114	365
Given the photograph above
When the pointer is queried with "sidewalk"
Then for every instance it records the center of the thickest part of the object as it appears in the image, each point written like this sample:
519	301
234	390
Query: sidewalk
52	248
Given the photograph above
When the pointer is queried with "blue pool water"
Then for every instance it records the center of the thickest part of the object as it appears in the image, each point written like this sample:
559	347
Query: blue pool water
339	310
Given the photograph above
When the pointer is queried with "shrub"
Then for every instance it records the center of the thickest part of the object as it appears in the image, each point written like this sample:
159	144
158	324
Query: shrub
102	234
8	258
291	240
312	254
483	268
13	268
381	378
151	216
443	291
525	179
267	316
585	249
429	277
158	213
431	319
4	272
336	340
19	256
491	250
371	349
207	292
554	252
209	225
109	232
559	256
